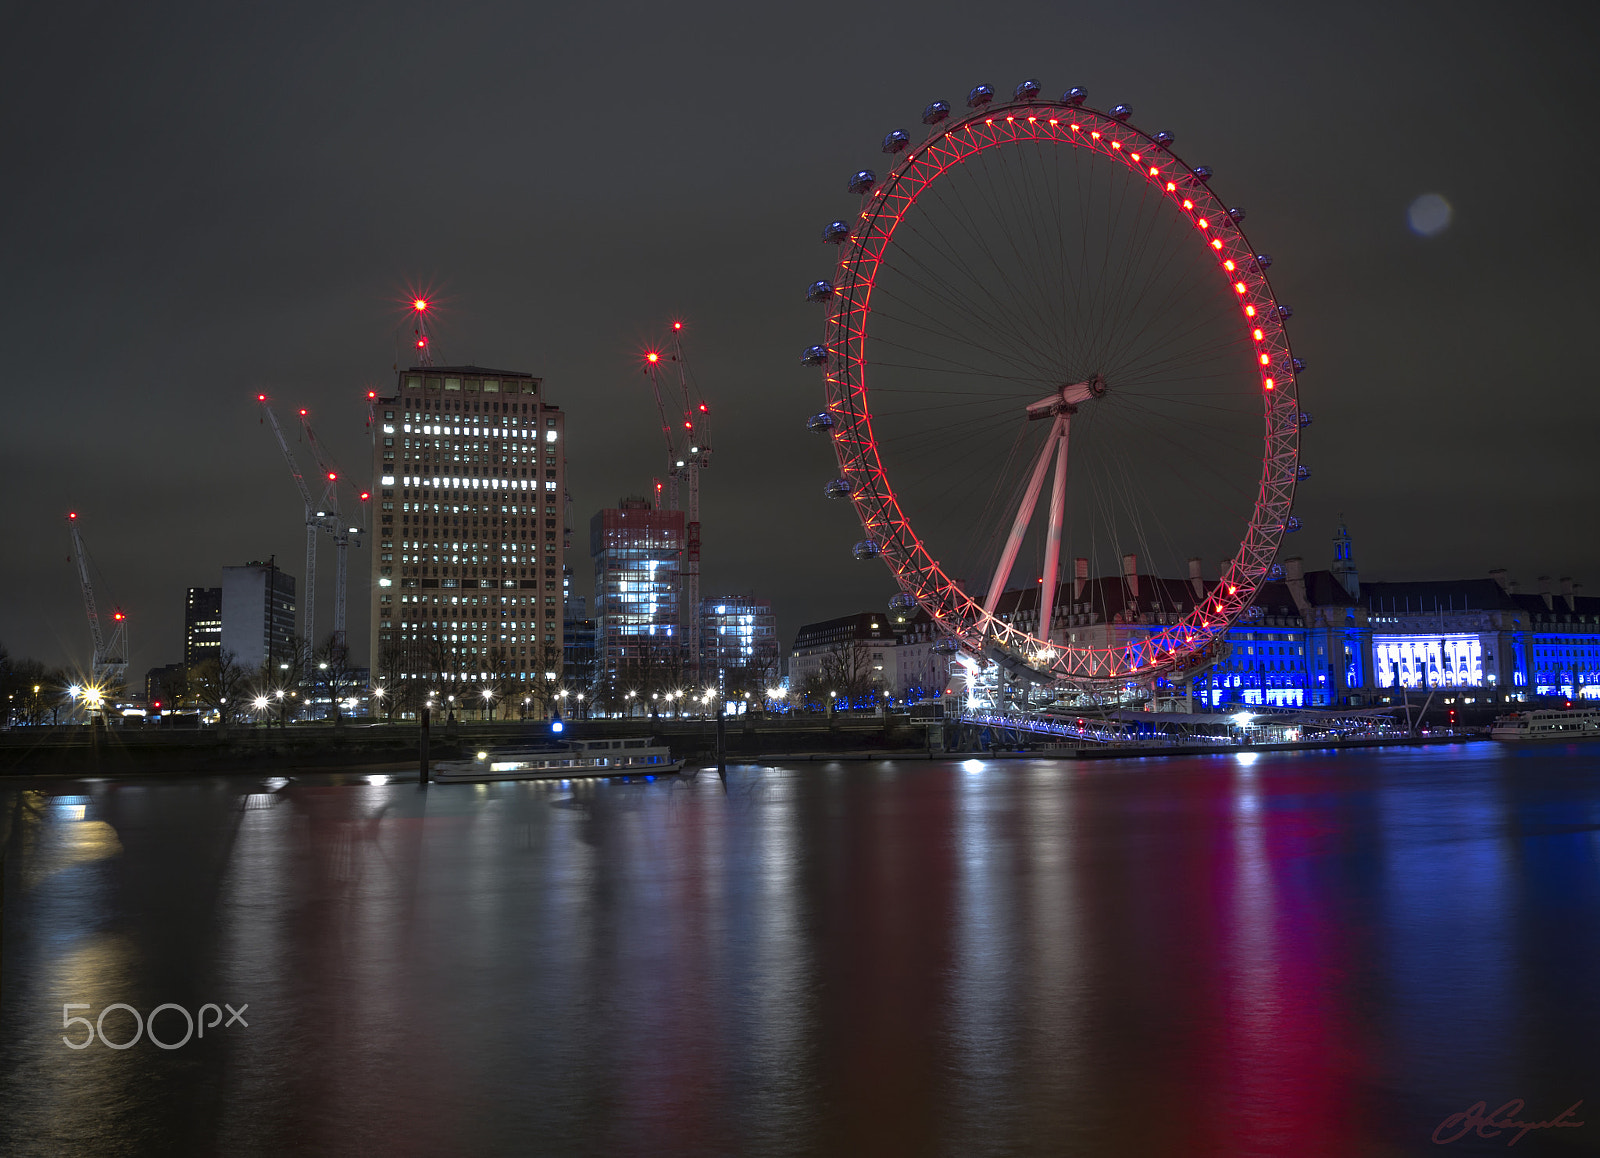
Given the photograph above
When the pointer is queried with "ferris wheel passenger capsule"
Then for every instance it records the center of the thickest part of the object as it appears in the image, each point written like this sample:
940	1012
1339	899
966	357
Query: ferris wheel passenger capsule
1286	312
820	423
814	356
1264	260
1275	571
839	488
981	94
935	112
820	291
896	141
1203	172
836	232
1291	524
1121	112
946	646
863	181
1074	97
867	549
1304	420
1028	90
1236	213
1299	366
1301	473
902	601
1164	139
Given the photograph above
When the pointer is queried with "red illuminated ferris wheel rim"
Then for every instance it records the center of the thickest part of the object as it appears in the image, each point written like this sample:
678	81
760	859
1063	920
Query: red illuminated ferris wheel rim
1166	649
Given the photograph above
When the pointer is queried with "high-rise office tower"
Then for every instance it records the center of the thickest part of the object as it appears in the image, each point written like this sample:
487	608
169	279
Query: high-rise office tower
257	615
202	625
469	470
638	553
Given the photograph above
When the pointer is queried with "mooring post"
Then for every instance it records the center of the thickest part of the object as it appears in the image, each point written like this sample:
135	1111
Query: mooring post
422	746
722	743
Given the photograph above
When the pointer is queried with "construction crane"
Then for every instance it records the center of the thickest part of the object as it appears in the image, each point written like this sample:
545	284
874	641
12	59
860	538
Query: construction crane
324	516
334	521
109	665
688	450
314	522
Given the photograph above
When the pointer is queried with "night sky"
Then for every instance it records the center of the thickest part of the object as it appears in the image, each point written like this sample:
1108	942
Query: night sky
209	201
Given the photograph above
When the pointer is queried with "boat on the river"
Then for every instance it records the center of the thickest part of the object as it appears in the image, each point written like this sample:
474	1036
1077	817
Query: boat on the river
1581	724
568	760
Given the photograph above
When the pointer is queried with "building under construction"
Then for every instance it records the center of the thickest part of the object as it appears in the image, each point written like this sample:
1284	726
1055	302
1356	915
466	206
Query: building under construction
469	470
639	629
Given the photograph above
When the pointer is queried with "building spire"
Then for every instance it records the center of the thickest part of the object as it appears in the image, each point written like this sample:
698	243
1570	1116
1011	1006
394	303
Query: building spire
1344	564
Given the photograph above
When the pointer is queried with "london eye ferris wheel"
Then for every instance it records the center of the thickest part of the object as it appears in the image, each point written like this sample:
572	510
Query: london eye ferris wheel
1039	292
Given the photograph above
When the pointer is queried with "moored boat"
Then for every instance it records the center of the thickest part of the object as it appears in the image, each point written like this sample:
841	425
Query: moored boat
1577	724
571	760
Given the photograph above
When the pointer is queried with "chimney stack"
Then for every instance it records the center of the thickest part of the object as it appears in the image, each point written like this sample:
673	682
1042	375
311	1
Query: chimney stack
1499	576
1566	593
1545	593
1295	576
1130	573
1080	578
1196	581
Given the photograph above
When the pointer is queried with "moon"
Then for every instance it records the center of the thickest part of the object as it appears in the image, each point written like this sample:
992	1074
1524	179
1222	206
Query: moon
1429	215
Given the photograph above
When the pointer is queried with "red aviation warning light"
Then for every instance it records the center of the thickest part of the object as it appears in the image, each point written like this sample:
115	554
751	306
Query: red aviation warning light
118	616
677	325
372	395
302	412
420	305
332	477
652	357
366	496
72	514
261	397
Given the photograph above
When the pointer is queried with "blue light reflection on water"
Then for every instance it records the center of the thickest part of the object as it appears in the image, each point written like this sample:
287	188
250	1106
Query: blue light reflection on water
1309	953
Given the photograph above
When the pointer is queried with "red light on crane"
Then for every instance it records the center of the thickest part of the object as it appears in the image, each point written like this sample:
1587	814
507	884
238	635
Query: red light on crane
702	408
421	343
72	514
332	477
372	395
677	325
302	412
118	616
420	305
652	357
261	397
366	496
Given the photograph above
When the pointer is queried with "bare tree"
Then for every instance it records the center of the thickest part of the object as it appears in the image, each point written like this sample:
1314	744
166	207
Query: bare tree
219	683
847	669
335	673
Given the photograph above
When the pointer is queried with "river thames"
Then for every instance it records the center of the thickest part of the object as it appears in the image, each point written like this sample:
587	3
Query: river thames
1309	953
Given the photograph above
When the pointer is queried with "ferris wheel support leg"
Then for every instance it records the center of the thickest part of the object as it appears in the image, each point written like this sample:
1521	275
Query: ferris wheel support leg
1019	526
1052	550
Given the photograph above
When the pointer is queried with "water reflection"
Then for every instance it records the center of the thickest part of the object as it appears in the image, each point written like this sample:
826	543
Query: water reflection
1289	954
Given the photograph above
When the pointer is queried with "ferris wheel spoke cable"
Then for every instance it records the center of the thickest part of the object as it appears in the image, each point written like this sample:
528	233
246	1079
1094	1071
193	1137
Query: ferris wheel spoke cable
964	216
980	304
1227	492
1011	197
1024	297
997	322
944	333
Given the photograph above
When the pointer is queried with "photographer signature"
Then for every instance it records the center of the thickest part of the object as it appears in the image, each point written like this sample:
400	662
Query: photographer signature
1491	1125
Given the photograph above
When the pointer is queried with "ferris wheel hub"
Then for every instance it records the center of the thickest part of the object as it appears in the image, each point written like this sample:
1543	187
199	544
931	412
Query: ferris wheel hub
1067	398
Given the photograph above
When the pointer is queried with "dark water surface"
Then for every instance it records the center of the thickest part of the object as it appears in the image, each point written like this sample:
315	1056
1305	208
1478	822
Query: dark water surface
1296	953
